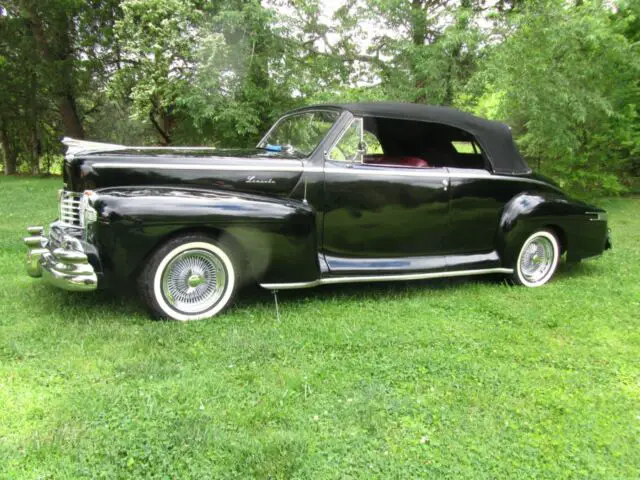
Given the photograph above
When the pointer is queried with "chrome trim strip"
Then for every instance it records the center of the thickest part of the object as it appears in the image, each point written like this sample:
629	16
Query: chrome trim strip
437	172
382	278
327	152
412	172
350	169
75	146
599	216
295	113
168	166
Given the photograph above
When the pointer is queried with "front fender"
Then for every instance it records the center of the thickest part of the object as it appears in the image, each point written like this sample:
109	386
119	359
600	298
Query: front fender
530	211
277	236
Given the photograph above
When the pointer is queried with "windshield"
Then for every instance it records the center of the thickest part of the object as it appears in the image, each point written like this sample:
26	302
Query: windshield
299	133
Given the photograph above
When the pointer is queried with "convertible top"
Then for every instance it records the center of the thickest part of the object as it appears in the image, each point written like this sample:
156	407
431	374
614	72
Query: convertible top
494	138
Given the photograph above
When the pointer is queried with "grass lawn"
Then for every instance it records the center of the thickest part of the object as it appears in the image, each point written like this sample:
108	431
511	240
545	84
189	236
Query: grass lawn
452	379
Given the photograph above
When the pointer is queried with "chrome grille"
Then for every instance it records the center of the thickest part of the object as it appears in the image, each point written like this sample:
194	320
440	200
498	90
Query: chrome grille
70	208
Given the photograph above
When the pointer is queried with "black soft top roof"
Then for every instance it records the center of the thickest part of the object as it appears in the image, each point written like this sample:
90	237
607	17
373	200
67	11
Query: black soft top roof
494	138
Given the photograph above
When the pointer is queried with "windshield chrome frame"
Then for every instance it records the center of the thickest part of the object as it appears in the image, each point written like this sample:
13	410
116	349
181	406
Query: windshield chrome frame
304	112
352	120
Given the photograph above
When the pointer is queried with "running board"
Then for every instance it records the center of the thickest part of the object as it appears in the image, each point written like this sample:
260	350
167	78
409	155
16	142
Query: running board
382	278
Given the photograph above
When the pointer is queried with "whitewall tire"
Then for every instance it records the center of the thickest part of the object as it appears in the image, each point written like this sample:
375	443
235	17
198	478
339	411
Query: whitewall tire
538	259
189	278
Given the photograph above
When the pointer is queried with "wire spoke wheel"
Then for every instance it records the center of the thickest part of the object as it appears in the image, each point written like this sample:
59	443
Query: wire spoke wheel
193	281
191	277
538	259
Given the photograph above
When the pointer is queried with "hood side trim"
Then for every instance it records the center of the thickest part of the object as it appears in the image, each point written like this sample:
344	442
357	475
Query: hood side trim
186	166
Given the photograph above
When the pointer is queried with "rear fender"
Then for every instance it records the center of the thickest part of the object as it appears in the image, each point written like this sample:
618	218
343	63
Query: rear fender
276	236
531	211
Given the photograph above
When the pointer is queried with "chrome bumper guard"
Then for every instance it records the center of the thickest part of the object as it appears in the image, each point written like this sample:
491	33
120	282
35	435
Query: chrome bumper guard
66	267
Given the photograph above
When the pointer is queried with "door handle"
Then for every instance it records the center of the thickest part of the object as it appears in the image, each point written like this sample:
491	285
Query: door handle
445	184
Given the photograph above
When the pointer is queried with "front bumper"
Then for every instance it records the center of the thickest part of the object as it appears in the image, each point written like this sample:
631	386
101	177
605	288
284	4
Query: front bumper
66	266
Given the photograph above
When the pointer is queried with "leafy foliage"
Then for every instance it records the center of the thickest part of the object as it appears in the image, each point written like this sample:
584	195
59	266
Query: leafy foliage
567	82
563	74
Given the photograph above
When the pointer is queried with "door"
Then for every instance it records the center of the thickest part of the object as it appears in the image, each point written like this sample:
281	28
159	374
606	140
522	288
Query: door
382	217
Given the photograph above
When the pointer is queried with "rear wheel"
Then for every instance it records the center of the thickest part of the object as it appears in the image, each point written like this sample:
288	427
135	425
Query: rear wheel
537	260
191	277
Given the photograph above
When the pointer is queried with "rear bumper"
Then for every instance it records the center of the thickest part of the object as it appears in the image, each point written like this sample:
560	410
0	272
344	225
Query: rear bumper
66	266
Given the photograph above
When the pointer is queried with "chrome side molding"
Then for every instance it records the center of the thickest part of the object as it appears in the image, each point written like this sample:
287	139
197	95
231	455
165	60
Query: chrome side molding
75	146
598	216
383	278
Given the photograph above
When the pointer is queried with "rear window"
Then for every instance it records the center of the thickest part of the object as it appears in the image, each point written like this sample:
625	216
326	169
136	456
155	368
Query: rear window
465	147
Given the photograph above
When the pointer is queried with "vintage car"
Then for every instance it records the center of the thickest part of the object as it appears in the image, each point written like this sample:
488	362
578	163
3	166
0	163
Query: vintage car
332	194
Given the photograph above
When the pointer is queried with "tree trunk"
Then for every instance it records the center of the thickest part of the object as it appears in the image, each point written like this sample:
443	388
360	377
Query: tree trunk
60	59
34	150
70	118
418	37
418	22
163	132
10	157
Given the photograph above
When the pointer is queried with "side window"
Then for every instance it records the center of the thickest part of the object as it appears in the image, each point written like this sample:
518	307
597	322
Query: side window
468	155
465	147
372	143
346	150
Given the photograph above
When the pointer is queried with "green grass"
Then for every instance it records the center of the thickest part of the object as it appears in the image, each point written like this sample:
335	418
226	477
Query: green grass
454	379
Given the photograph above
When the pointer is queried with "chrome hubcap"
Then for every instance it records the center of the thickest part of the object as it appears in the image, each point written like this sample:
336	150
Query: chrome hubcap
537	259
194	281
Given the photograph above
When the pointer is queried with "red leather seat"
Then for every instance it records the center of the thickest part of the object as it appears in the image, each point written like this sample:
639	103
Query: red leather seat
414	162
396	161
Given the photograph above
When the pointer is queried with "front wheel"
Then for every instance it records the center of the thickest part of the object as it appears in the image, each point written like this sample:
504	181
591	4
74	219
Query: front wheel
537	260
189	278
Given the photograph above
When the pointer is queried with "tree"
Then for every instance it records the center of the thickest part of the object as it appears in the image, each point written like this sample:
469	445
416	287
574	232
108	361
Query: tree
51	25
56	58
432	46
564	79
564	74
22	108
206	72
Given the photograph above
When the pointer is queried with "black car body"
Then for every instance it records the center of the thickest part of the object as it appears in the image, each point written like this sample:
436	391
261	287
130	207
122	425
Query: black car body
333	193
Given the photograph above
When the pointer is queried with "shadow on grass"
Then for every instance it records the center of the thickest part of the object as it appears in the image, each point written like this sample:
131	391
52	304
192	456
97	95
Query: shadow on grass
124	302
255	296
583	268
120	302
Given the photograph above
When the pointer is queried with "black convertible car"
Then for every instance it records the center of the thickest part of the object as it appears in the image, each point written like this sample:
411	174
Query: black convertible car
331	194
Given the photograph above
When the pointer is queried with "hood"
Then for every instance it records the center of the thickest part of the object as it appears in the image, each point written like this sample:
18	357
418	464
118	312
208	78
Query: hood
253	170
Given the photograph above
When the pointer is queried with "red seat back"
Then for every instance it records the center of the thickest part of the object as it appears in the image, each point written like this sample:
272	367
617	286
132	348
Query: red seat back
396	161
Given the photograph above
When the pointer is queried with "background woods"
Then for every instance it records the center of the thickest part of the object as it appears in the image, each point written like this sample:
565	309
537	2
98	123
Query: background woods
565	75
